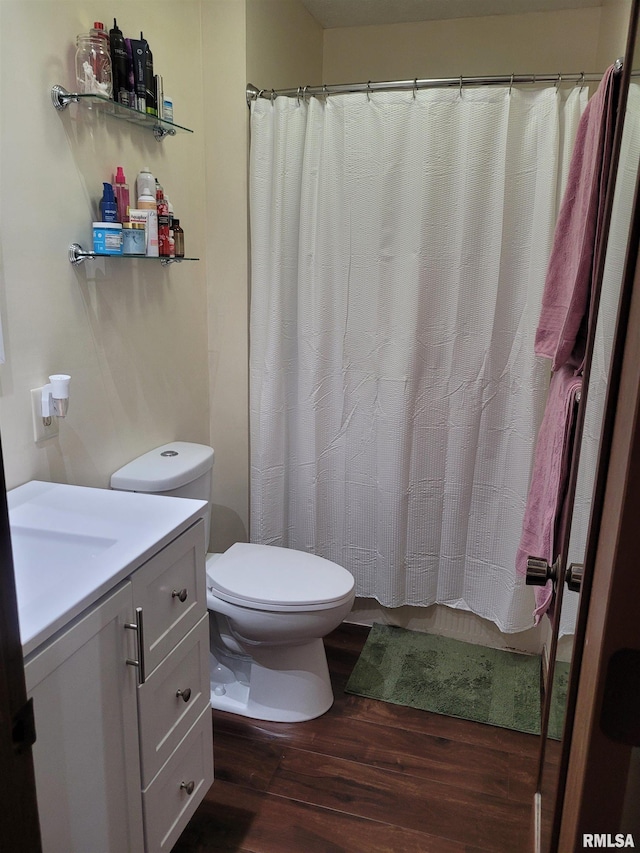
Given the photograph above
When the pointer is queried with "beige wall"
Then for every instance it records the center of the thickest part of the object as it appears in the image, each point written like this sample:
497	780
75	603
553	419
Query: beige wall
284	44
543	42
159	354
272	44
614	25
131	333
225	116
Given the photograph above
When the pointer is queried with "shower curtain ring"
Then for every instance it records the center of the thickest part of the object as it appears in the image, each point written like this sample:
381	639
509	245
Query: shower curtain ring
304	92
558	81
511	84
461	85
581	81
369	91
273	95
415	88
325	91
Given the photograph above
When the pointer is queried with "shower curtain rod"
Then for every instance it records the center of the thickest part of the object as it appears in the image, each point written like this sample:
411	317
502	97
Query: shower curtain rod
433	83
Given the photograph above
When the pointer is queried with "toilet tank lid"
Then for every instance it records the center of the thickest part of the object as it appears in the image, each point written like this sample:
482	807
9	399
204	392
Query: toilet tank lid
165	468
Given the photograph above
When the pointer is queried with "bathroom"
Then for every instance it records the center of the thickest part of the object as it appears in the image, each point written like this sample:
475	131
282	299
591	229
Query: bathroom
160	353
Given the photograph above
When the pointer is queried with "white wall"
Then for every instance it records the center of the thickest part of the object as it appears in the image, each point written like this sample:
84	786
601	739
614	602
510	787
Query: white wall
131	333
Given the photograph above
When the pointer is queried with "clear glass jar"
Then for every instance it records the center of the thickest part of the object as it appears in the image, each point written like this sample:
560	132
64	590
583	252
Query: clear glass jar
93	66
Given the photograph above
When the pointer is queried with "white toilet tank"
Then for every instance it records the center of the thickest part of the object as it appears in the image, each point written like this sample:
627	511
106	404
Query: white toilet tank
180	469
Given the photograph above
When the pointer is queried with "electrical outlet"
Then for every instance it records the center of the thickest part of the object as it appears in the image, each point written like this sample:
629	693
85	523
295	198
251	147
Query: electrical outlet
40	431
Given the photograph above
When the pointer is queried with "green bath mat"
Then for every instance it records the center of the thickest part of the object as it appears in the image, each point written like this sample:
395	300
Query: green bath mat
449	677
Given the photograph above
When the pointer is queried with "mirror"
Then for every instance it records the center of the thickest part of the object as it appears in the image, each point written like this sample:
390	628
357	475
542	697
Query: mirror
566	643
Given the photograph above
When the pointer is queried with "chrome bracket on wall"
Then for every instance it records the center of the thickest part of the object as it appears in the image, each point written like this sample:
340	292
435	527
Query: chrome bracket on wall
61	98
160	132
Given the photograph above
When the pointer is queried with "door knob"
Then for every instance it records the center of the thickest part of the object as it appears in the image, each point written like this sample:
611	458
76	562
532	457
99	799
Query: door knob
539	571
574	576
184	694
180	594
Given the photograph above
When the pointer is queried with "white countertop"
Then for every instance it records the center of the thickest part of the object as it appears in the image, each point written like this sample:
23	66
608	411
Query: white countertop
72	544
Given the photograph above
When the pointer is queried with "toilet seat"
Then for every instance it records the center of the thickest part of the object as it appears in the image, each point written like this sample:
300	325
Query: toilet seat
265	577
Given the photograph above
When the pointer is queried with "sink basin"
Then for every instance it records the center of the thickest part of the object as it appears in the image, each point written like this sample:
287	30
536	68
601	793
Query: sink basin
73	544
34	548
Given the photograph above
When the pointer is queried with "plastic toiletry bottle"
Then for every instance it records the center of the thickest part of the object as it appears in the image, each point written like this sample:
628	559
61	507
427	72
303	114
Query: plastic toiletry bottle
121	192
149	83
108	206
145	183
99	31
119	65
178	237
167	108
163	222
147	202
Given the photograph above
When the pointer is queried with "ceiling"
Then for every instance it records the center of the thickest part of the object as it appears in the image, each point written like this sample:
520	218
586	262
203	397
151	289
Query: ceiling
356	13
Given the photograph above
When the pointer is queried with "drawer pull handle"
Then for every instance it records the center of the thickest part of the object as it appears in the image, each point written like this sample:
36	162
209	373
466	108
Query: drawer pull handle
181	594
185	694
138	627
188	787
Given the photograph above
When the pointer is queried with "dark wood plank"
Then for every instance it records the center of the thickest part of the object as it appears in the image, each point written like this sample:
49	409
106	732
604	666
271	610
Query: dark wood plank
367	776
445	811
245	821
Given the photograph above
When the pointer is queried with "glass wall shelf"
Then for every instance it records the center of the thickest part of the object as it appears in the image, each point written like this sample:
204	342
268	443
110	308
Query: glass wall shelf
159	127
78	256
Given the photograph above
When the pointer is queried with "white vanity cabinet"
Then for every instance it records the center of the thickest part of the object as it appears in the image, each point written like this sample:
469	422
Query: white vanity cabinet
124	750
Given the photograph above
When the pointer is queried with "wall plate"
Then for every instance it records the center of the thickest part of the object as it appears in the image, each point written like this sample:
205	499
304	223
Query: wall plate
40	431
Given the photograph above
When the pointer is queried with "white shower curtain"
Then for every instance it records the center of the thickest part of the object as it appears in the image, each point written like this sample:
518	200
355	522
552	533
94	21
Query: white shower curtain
399	243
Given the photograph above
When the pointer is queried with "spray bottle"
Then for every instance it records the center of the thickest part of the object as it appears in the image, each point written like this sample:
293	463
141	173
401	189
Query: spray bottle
121	192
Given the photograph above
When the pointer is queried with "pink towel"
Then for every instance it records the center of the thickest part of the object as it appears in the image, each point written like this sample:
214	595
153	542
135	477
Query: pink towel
567	290
549	480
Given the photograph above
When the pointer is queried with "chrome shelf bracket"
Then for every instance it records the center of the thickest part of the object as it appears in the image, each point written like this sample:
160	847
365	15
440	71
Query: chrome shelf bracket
61	98
160	132
77	255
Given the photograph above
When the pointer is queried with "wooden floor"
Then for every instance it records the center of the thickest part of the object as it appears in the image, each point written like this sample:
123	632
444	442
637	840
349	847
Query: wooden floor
367	776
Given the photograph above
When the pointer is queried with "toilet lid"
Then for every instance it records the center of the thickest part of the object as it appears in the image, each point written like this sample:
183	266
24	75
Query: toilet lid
272	576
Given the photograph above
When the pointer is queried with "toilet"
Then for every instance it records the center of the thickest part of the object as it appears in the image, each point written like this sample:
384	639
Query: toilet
269	607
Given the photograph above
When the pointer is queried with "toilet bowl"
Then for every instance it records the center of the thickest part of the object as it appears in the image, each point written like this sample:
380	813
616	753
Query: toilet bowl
269	607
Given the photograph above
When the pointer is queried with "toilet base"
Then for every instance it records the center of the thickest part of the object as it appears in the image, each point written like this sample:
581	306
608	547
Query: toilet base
286	684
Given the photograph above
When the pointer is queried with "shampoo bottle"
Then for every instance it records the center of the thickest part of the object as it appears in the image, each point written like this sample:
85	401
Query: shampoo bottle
108	207
121	192
138	56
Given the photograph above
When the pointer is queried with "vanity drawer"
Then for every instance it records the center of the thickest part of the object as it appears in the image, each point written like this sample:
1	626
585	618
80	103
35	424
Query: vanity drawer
167	803
165	717
171	591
